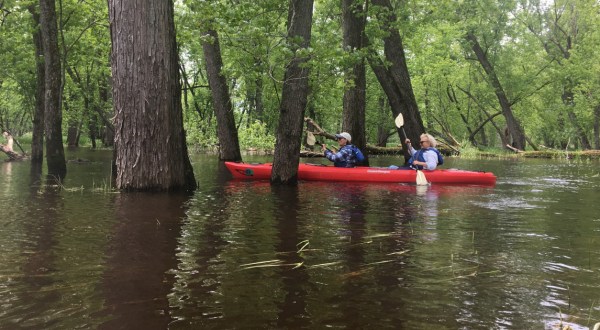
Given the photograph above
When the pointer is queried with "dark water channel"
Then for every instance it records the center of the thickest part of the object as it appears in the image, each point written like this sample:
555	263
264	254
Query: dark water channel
521	255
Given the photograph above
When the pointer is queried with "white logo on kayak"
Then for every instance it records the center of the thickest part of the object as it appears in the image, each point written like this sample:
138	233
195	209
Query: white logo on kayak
378	171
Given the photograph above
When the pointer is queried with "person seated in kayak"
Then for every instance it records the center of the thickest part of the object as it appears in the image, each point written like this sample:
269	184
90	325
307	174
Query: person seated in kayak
348	155
426	158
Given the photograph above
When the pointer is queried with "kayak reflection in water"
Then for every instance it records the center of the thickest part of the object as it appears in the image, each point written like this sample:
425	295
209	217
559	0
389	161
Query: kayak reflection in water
348	155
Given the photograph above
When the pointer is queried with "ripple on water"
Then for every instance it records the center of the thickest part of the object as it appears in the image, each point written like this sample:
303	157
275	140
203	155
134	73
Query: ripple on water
539	183
507	203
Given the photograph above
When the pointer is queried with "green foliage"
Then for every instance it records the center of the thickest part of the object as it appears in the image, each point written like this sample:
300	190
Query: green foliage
256	136
524	40
201	134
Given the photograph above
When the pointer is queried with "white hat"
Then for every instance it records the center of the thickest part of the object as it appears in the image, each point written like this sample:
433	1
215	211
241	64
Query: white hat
344	135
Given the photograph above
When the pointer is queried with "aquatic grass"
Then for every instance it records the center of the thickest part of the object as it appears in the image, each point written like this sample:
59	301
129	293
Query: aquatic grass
590	316
302	245
269	264
398	253
327	264
278	263
273	261
104	187
379	262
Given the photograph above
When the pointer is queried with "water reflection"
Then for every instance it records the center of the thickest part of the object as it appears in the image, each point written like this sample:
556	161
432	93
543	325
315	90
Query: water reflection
200	269
38	285
289	225
141	251
520	255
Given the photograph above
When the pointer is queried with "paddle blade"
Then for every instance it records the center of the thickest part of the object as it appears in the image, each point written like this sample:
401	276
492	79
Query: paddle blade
421	179
310	138
399	121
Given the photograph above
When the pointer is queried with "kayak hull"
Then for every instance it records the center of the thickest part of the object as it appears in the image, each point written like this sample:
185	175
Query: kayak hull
318	172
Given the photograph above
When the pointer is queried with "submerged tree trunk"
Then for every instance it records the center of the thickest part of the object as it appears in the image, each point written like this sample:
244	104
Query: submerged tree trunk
355	81
55	153
150	147
514	127
294	95
229	146
37	138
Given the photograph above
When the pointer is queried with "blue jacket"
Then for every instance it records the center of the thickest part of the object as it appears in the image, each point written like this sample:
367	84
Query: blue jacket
348	156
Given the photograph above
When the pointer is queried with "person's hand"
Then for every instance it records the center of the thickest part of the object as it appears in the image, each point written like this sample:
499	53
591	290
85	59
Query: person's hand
407	141
323	147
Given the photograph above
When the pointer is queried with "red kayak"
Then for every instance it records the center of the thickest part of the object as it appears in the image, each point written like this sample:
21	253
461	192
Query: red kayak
318	172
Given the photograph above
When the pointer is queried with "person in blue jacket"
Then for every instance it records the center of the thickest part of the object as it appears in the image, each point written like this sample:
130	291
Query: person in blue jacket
426	158
348	155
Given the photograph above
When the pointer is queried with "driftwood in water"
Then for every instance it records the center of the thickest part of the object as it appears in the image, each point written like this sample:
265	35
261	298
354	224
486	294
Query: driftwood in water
8	150
508	146
11	154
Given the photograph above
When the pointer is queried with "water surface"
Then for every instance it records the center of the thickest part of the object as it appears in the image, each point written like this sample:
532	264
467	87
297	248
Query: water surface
242	254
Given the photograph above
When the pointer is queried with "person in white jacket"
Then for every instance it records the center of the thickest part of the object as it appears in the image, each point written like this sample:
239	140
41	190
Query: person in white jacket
426	158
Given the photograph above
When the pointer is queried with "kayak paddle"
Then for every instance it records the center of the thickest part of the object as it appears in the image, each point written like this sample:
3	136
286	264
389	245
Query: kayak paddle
421	179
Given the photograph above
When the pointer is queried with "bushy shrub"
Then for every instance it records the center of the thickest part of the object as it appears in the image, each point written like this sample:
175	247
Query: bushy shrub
256	136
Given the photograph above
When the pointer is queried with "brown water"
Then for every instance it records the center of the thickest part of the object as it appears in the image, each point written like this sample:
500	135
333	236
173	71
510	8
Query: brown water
521	255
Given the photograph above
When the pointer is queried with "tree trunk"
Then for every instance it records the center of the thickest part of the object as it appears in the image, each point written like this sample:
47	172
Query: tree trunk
72	133
108	135
597	127
383	130
397	75
229	149
569	100
353	24
294	95
93	129
392	93
37	138
55	153
514	127
150	147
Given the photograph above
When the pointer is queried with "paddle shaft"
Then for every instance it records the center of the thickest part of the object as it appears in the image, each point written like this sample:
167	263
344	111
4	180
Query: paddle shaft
320	144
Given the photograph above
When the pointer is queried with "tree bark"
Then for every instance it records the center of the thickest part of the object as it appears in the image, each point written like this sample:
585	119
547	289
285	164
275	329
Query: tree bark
229	149
294	95
399	75
108	135
37	138
514	127
569	100
597	127
55	153
150	147
393	94
353	25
